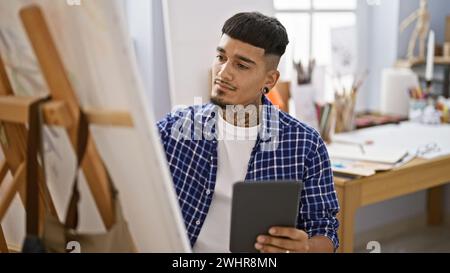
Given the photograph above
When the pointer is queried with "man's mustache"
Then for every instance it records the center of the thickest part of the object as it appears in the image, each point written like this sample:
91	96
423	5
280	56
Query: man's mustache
227	85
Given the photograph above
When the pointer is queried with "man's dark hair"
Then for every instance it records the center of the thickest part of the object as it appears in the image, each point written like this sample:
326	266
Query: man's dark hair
258	30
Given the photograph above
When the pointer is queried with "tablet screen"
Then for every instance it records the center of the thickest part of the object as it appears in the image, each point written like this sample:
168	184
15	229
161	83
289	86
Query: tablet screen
259	205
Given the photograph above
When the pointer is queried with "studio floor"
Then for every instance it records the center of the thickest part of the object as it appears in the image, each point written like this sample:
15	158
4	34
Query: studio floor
417	239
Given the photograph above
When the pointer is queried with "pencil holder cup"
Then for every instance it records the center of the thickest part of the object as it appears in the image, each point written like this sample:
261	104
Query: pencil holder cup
344	114
416	108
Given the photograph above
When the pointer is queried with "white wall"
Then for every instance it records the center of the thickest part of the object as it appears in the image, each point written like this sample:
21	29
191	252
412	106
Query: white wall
161	86
193	29
147	29
439	9
139	23
362	25
382	45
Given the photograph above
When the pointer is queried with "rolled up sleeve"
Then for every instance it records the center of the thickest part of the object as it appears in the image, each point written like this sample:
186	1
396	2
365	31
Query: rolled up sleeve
318	203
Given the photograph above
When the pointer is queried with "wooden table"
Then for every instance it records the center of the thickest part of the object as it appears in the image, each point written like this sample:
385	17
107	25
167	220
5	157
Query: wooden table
417	175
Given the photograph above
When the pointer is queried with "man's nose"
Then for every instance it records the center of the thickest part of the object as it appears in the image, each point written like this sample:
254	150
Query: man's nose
225	72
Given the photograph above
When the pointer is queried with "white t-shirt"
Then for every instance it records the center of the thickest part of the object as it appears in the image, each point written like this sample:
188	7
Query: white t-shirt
235	145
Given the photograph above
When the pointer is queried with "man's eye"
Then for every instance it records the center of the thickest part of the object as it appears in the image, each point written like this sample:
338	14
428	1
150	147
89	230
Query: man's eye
220	57
241	66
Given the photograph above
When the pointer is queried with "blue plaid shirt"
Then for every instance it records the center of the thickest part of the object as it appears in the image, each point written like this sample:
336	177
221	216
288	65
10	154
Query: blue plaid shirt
286	149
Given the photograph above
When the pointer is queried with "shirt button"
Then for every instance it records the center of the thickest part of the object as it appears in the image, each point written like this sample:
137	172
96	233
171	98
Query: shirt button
197	222
208	192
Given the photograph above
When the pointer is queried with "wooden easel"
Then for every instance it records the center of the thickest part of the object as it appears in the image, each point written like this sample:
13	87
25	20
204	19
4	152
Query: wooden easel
13	142
3	244
61	110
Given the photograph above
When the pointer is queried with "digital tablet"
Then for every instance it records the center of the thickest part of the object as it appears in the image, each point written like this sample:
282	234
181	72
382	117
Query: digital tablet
259	205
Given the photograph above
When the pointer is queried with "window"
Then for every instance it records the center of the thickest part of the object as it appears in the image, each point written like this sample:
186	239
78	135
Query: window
309	24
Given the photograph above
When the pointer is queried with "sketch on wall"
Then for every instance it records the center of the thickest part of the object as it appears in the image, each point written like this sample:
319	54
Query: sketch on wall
343	50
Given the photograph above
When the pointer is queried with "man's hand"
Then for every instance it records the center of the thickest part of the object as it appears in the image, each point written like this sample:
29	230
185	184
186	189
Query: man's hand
289	240
283	240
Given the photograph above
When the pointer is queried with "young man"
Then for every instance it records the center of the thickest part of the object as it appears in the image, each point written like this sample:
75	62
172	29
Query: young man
239	136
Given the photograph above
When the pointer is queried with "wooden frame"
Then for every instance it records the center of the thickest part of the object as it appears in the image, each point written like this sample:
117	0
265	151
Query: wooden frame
15	109
440	60
415	176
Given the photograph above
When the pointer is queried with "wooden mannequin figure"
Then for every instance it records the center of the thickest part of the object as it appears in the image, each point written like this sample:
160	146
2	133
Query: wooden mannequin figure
422	16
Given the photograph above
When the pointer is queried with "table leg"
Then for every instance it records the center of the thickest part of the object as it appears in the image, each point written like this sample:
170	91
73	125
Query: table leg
349	201
435	205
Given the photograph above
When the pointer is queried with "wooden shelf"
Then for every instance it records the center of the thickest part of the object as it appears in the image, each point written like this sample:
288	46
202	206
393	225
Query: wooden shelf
418	61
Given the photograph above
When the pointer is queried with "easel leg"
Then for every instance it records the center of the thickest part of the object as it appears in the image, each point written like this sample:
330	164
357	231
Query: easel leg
11	187
3	171
3	244
435	206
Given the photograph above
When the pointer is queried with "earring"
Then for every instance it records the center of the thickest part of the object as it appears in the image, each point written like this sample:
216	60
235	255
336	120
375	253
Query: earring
265	90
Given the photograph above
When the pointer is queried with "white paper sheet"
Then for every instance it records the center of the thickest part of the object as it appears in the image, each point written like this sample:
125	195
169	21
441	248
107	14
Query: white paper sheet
391	142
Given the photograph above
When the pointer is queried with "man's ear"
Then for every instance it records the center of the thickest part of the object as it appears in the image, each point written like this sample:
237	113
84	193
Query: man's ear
272	74
272	77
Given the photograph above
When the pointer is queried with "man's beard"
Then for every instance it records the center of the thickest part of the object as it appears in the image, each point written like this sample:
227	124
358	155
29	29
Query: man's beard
217	101
239	115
